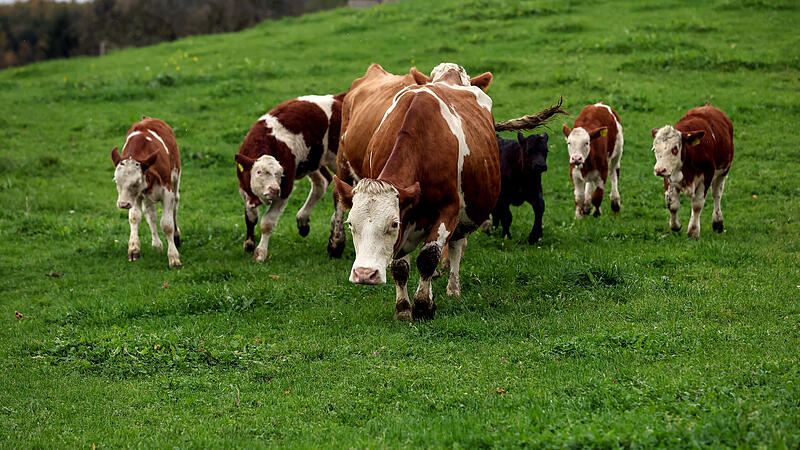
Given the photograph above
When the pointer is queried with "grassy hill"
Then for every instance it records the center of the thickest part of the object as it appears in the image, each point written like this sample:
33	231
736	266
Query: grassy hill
612	331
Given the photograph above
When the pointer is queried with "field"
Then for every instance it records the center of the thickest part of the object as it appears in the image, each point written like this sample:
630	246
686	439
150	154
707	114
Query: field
612	331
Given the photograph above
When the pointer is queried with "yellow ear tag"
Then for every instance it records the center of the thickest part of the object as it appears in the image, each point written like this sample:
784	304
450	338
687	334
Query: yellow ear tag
241	169
604	132
694	141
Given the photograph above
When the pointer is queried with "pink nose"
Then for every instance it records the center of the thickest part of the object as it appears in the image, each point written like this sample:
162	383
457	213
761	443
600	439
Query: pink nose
363	275
273	192
124	205
660	172
576	160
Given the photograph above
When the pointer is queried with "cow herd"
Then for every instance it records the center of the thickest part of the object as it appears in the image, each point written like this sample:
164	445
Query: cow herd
418	164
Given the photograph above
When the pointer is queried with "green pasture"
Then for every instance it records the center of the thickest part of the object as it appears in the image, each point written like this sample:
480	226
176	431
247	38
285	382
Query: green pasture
611	332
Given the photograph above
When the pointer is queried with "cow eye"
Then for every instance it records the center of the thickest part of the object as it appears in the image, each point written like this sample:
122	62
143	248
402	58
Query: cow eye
675	150
395	224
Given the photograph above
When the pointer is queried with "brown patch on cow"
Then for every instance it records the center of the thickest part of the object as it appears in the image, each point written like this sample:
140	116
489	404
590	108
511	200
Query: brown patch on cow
712	149
595	119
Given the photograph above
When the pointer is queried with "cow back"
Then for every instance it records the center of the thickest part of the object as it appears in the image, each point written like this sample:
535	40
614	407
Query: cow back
150	136
715	148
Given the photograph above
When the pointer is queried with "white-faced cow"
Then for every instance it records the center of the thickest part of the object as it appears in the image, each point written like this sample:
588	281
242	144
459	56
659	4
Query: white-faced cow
299	137
430	175
149	171
693	155
595	149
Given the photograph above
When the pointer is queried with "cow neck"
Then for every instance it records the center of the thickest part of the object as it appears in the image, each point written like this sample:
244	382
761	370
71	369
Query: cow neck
399	171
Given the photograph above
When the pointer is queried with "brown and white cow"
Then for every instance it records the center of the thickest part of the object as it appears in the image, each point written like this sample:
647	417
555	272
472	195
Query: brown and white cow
693	155
149	171
430	174
595	149
299	137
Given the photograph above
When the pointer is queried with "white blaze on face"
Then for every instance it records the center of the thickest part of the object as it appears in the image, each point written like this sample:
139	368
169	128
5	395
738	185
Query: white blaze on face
443	68
130	181
374	221
265	178
667	148
578	146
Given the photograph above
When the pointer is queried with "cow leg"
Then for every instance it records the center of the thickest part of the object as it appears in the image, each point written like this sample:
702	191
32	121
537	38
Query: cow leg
428	259
318	186
597	200
177	182
168	227
614	197
134	217
672	197
486	226
402	306
268	221
698	200
579	185
538	212
716	191
152	221
454	253
250	221
503	211
337	239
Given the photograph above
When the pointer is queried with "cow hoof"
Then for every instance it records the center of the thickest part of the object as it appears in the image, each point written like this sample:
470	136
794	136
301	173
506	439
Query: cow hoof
249	246
486	226
259	255
335	250
423	309
157	245
717	226
133	256
534	237
453	291
402	311
175	265
615	207
597	212
693	233
675	227
177	240
506	234
303	230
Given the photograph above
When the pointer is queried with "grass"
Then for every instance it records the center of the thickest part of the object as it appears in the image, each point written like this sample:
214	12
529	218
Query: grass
610	332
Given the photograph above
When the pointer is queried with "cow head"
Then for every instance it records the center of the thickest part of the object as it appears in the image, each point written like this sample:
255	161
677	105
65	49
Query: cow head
534	150
377	209
265	175
579	142
129	176
668	146
458	76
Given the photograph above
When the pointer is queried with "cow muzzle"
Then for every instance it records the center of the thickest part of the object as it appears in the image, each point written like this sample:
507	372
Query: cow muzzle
576	161
124	205
365	275
661	172
272	193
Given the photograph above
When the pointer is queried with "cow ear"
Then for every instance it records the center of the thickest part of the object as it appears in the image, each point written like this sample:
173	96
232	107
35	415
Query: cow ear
244	164
597	132
419	77
343	191
482	81
115	156
409	196
340	97
566	130
654	131
145	117
693	137
149	161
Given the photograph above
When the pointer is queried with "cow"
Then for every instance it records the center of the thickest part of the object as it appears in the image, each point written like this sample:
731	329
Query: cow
373	94
595	149
430	175
149	171
693	155
297	138
522	162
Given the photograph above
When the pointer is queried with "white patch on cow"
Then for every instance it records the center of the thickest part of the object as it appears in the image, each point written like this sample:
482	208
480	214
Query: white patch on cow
443	68
578	146
250	210
159	140
667	163
135	133
325	102
265	178
295	142
442	235
411	238
149	139
374	221
484	101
